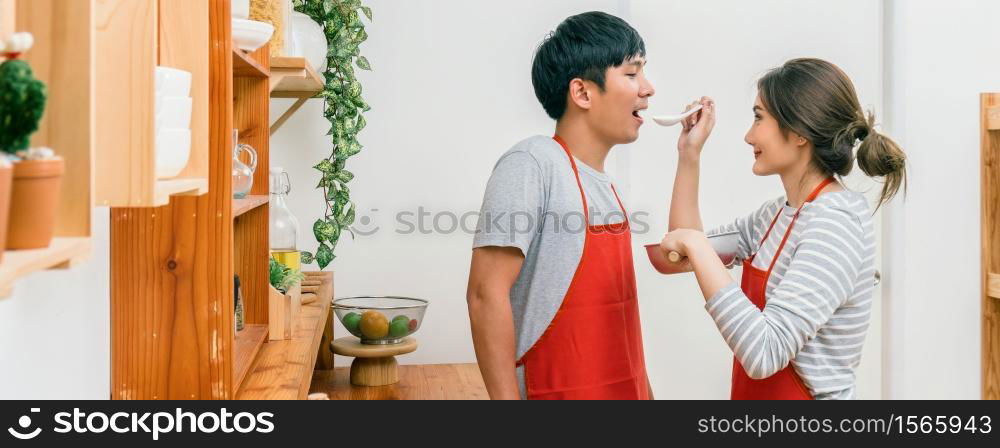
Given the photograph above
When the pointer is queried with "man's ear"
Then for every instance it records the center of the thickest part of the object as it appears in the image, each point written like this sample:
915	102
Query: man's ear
579	93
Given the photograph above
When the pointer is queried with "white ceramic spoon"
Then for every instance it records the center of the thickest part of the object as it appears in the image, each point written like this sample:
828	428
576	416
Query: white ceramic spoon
673	120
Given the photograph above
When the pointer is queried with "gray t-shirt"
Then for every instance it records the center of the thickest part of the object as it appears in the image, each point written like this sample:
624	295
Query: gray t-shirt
533	203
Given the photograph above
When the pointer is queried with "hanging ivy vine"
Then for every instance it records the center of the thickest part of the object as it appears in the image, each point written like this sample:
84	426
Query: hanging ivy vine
345	108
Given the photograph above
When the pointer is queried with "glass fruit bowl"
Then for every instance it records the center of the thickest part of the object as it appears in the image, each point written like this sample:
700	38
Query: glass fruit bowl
380	320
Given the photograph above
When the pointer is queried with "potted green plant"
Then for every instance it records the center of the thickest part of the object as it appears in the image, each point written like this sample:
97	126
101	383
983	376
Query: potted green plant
37	172
284	299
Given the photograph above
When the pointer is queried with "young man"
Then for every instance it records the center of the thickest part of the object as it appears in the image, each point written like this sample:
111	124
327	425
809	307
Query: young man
553	302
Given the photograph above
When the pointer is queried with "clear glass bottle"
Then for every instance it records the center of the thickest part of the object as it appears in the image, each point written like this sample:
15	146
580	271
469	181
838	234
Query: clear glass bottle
284	226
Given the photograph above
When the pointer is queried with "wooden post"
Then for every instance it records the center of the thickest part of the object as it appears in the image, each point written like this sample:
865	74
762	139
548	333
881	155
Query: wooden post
991	246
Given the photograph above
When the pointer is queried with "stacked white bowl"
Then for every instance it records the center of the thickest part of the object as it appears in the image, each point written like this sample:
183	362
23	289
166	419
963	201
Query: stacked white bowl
241	9
173	121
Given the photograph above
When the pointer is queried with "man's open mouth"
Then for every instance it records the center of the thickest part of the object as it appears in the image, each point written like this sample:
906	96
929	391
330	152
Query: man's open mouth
637	114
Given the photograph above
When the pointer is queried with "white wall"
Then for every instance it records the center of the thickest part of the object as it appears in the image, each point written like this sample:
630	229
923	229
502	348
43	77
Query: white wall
55	338
940	57
451	92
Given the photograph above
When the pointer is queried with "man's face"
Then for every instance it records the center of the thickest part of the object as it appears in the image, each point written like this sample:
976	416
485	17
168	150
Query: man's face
615	112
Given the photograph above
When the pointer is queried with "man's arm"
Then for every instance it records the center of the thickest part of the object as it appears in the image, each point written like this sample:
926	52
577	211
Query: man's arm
494	271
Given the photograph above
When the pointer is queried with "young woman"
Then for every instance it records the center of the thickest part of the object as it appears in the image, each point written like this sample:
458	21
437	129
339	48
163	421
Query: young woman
797	320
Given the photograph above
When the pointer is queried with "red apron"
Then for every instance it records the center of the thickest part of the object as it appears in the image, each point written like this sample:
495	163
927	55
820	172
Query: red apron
786	384
592	350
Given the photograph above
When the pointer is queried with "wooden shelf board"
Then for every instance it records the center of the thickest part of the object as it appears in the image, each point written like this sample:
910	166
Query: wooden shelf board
294	78
241	206
993	286
993	118
179	187
244	66
248	344
62	253
284	369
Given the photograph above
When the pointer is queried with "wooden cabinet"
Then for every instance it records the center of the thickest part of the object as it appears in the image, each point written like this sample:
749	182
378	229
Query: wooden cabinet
172	264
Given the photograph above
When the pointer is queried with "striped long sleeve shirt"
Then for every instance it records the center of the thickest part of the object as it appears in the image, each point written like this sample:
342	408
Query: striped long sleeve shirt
819	296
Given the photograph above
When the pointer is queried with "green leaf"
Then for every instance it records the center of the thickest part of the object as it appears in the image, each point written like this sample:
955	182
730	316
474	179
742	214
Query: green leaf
307	257
324	231
354	90
345	176
325	167
338	208
364	64
348	218
368	13
324	256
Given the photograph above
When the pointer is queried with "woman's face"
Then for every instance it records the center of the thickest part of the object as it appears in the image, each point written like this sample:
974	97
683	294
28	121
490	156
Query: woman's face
774	151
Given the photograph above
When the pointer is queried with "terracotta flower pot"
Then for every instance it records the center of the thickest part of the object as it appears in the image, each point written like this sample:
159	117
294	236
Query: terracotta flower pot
6	176
34	202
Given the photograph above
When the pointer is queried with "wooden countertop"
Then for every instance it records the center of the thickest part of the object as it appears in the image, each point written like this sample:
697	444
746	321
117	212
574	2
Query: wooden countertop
426	382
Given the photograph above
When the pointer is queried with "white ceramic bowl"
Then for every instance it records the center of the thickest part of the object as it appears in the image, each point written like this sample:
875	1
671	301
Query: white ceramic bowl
249	35
173	112
173	82
241	9
173	149
309	41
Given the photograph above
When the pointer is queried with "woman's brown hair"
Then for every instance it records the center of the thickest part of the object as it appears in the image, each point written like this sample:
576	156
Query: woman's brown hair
816	99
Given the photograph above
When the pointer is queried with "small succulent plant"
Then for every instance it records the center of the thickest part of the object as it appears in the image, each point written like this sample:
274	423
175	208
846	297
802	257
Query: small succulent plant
284	278
22	97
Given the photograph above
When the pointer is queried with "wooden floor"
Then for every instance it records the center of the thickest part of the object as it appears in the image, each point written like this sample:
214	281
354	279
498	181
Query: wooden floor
437	382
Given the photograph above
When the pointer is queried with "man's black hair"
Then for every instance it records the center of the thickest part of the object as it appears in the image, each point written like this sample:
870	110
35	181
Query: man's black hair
584	46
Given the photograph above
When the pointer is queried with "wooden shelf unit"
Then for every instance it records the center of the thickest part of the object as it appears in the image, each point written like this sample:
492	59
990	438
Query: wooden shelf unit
245	66
133	37
63	253
246	347
61	58
284	369
293	78
173	266
242	206
990	113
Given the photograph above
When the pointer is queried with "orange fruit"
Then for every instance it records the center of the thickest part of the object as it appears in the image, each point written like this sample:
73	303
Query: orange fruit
374	325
